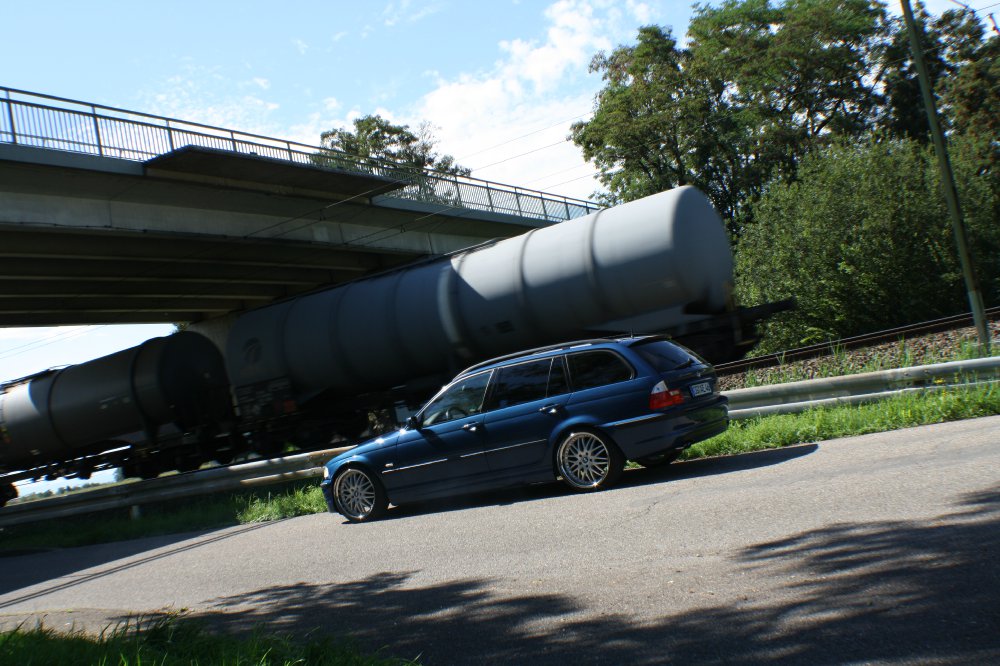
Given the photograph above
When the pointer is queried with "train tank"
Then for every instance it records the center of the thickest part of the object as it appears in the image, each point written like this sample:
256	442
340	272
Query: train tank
165	396
665	255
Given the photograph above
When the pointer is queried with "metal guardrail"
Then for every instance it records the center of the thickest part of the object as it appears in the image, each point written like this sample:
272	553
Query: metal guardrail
743	403
56	123
130	495
799	396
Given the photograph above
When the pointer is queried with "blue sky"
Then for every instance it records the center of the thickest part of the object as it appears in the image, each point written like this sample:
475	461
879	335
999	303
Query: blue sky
500	82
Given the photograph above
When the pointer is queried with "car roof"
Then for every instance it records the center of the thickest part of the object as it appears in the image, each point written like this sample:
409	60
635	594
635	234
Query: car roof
573	345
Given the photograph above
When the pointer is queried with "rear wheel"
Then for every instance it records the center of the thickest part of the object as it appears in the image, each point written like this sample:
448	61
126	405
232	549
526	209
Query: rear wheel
587	460
359	496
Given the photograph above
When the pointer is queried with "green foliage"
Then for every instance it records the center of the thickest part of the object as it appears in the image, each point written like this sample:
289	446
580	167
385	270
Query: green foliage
296	502
757	86
179	641
961	63
378	141
760	85
863	240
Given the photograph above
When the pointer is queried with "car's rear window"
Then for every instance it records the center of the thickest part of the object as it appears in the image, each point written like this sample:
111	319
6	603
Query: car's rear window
667	356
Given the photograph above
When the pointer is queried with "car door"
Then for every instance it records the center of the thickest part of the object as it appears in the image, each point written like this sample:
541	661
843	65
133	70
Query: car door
445	454
525	404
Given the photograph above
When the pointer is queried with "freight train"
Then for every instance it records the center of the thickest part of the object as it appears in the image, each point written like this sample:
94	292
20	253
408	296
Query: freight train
338	363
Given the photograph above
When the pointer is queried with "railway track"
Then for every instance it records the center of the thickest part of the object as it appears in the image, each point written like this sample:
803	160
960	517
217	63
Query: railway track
856	342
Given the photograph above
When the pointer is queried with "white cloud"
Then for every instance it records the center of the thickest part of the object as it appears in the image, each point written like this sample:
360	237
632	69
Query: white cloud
510	123
403	12
300	46
261	83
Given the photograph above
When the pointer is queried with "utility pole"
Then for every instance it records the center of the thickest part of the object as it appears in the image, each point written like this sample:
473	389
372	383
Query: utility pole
948	182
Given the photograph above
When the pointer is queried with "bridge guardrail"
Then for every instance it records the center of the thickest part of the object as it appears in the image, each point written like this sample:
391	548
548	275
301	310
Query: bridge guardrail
743	403
44	121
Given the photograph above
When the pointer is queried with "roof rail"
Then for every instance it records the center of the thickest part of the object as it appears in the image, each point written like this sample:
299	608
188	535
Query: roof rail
539	350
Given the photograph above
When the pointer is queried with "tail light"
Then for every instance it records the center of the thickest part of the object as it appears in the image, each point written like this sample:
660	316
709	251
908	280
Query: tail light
662	397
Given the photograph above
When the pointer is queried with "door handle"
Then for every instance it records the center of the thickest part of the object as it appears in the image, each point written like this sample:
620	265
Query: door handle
549	409
470	427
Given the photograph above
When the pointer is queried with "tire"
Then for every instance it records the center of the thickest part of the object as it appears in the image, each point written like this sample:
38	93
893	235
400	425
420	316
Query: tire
588	461
359	496
660	459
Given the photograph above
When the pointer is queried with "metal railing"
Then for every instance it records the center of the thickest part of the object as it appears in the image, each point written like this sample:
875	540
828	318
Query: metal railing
43	121
743	404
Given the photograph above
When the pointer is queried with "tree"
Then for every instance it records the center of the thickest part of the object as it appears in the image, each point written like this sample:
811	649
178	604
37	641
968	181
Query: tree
377	141
757	87
862	240
963	67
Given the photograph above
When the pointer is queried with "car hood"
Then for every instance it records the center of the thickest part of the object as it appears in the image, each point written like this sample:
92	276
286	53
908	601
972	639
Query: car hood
374	444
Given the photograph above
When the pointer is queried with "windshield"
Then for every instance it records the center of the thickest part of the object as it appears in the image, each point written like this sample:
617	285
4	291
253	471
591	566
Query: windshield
461	399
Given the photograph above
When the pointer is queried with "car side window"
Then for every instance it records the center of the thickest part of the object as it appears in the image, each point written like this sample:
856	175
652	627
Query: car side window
461	399
597	368
521	383
558	378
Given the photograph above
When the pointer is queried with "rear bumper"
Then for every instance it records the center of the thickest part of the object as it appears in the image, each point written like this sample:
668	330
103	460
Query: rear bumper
660	432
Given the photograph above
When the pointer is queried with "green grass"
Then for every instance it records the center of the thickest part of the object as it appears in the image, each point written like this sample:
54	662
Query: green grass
904	411
190	515
180	641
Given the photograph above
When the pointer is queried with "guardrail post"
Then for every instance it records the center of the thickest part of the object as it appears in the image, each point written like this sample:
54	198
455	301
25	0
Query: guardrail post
170	135
489	198
97	130
10	121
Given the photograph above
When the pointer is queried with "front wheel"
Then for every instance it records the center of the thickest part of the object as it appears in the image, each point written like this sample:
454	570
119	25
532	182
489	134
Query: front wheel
359	496
588	461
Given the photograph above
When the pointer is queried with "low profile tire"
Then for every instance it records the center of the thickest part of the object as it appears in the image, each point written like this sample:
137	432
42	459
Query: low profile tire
359	496
587	460
659	460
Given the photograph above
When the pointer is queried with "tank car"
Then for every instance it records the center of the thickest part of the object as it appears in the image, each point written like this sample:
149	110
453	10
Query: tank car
661	263
164	404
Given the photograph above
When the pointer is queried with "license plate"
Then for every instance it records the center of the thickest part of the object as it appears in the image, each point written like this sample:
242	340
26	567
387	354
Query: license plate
701	388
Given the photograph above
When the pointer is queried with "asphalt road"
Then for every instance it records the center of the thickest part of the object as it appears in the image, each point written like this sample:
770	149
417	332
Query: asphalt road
883	548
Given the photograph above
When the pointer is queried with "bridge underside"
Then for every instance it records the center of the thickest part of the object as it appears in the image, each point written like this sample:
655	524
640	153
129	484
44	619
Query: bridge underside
197	234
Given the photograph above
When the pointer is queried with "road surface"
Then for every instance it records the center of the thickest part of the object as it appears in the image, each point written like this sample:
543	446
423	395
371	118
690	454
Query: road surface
880	548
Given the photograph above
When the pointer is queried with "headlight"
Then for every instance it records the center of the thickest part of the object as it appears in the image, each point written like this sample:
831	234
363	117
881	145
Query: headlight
326	472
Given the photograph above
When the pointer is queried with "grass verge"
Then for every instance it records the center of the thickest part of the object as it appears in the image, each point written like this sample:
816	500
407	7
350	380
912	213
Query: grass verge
904	411
174	517
177	641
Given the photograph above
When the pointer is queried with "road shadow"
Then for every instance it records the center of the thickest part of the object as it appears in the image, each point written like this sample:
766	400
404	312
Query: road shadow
18	572
892	591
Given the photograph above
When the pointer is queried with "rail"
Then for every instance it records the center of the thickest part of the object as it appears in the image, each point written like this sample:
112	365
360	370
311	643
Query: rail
56	123
743	404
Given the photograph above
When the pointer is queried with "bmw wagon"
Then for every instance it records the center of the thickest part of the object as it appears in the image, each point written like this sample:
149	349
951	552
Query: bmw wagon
575	411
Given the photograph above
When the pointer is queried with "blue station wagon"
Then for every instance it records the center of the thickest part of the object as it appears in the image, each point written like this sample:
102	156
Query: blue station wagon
575	411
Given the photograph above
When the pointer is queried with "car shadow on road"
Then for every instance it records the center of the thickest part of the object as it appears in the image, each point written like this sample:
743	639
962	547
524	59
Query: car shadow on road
631	478
883	591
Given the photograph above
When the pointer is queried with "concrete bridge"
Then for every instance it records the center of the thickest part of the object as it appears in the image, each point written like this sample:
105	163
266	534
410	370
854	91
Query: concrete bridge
111	216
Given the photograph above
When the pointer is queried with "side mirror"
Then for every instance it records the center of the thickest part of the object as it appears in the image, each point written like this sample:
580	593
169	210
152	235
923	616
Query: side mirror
413	423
